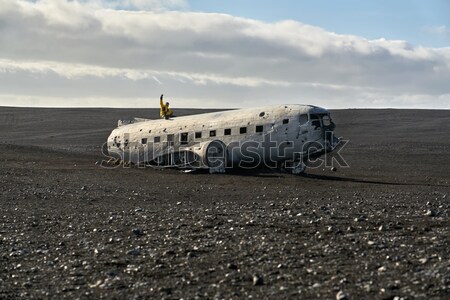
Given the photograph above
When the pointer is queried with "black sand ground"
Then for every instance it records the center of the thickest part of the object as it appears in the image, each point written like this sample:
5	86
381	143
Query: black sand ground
71	229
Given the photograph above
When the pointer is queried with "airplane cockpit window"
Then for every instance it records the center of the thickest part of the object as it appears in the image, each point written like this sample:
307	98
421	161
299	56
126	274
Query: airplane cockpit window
326	120
321	120
303	119
315	121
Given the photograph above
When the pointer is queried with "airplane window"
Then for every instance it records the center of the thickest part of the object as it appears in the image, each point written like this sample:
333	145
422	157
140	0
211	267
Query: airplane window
286	121
243	130
227	131
259	128
144	141
170	139
212	133
198	135
184	138
303	119
157	139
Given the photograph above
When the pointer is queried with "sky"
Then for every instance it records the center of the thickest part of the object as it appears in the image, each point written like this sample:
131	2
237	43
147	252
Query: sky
225	53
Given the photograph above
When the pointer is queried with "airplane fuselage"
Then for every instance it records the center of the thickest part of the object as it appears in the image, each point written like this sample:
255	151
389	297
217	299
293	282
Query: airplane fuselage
275	134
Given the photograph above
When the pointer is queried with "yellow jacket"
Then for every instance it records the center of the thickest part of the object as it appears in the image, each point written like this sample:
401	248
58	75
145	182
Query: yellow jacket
165	110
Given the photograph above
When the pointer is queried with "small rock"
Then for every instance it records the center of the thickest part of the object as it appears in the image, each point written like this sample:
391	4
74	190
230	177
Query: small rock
232	266
333	169
257	280
83	188
134	252
137	231
191	254
423	260
382	269
342	296
430	213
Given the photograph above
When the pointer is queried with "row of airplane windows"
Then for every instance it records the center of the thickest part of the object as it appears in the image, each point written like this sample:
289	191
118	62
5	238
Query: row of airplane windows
184	136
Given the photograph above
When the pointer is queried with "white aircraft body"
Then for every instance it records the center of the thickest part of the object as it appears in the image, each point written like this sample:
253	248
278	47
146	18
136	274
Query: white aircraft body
276	136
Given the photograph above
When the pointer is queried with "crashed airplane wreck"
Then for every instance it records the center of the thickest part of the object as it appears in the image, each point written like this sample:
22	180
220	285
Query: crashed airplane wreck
285	136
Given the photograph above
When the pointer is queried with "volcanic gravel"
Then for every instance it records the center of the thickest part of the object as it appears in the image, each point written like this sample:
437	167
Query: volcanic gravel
70	228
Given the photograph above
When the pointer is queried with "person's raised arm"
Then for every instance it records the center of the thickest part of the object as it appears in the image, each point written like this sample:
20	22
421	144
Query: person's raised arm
161	100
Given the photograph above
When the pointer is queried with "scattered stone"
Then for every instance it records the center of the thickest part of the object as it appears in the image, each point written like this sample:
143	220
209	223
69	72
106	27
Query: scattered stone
342	296
423	260
137	231
170	252
134	252
191	254
430	213
382	269
257	280
232	266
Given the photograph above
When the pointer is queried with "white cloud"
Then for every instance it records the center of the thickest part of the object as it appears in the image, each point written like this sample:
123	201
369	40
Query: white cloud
443	31
81	50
